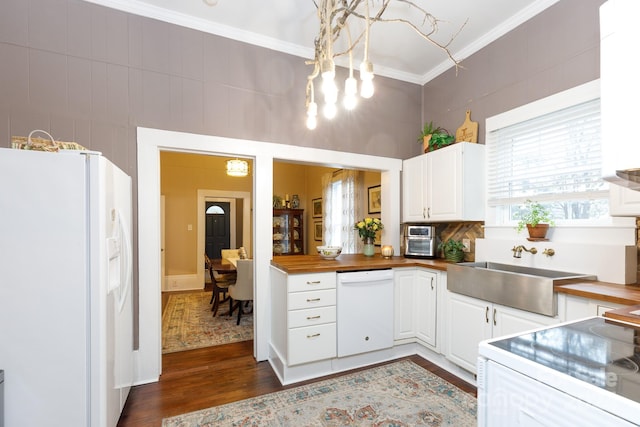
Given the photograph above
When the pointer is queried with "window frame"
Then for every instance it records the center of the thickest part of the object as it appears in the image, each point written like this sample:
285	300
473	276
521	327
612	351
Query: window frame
556	102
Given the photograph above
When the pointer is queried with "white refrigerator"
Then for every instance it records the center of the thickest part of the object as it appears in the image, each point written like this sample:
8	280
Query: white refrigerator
66	315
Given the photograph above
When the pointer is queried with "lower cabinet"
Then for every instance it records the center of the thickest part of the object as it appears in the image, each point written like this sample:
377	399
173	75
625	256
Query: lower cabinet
304	316
415	302
470	320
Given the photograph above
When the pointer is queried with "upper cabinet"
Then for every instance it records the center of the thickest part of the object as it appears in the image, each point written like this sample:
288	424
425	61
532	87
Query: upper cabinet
444	185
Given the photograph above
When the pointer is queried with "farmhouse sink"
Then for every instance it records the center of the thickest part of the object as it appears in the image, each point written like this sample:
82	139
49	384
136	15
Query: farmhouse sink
525	288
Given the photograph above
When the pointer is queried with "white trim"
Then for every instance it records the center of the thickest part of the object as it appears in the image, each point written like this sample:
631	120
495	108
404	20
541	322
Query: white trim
152	141
151	11
567	98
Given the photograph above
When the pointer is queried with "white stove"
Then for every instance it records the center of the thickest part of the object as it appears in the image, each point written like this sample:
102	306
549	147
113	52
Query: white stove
577	373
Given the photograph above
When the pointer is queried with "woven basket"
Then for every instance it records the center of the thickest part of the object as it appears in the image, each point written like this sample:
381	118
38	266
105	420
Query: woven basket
42	144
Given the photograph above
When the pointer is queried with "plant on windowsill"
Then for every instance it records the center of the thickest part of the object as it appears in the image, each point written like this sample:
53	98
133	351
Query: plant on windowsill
536	218
434	137
452	250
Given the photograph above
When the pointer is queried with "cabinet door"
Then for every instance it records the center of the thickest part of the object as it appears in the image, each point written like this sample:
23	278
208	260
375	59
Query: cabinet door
413	189
623	201
507	321
468	323
425	309
444	184
403	301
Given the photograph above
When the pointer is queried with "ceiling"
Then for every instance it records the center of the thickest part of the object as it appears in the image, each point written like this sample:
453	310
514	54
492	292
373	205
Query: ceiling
396	51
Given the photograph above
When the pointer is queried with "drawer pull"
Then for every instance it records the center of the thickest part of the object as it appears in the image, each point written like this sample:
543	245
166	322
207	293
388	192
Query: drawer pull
313	336
313	299
314	282
312	317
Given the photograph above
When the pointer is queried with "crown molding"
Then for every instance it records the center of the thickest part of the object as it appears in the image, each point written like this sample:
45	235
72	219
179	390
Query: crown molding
149	11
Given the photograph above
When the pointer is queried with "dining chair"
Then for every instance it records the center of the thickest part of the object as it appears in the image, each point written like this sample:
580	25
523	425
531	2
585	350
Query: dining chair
227	254
241	293
220	283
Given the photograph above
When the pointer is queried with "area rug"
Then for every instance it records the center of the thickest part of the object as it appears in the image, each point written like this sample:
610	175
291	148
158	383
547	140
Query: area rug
188	323
398	394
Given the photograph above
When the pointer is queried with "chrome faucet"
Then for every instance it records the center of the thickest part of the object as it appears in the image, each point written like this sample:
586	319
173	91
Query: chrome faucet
517	251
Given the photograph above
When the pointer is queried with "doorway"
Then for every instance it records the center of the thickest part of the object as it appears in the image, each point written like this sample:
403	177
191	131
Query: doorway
217	230
151	142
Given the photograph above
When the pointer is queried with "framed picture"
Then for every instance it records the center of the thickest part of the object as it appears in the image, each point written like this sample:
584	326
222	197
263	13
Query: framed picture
317	230
374	199
317	208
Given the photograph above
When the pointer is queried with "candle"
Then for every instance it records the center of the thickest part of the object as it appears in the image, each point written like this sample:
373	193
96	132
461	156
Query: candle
286	197
386	251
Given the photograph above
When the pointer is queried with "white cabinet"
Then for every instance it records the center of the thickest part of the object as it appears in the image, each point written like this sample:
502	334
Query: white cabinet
470	320
444	185
623	201
574	307
415	302
303	316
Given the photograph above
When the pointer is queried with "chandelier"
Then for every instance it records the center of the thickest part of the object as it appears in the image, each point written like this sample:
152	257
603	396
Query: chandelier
335	16
237	167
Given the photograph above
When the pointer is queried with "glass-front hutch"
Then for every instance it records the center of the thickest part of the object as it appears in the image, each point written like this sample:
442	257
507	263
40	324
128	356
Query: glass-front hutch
288	231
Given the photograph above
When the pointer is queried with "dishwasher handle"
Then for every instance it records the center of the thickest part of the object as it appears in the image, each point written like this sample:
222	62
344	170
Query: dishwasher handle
365	277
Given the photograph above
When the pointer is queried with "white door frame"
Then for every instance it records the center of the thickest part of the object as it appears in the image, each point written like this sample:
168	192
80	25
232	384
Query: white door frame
150	142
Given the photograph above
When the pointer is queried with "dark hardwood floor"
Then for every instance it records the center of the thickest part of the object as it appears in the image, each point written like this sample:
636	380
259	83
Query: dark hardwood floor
198	379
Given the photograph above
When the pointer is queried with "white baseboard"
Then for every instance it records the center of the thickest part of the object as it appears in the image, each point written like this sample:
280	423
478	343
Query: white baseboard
184	282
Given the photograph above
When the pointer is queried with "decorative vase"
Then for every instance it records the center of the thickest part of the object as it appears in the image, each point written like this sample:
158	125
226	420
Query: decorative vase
425	143
368	249
295	202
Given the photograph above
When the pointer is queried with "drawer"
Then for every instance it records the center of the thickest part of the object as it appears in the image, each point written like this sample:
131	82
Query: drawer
311	299
309	282
312	316
311	343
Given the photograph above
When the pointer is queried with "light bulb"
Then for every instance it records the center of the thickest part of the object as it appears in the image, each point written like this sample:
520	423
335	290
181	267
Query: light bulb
350	102
330	91
329	110
350	91
312	113
312	122
366	75
366	88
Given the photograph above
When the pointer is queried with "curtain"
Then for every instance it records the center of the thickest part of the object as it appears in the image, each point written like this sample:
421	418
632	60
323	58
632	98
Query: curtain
342	197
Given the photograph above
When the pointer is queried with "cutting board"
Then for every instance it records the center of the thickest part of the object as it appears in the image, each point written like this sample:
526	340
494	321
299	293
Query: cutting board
468	132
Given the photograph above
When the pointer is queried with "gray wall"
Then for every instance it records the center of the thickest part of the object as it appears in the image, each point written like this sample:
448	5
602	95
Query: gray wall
556	50
92	74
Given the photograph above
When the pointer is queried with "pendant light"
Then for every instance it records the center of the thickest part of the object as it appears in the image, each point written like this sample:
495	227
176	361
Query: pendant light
237	167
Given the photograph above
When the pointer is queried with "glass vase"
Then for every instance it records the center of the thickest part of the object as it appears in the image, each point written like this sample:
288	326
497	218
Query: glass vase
368	249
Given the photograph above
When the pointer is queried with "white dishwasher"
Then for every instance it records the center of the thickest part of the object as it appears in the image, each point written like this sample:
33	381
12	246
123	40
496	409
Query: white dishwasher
365	311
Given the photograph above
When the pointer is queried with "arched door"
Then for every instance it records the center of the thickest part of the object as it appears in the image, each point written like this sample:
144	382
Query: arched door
217	228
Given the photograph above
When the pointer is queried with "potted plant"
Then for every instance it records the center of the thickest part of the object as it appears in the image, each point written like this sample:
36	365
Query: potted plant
453	250
536	218
433	137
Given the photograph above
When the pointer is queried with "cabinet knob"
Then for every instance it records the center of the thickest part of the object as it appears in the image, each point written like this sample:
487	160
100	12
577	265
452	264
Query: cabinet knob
313	336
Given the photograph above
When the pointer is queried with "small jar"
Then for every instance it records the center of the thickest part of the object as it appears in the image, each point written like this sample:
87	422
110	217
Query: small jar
386	251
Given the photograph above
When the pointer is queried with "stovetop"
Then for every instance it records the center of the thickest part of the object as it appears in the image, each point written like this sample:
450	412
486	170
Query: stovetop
598	351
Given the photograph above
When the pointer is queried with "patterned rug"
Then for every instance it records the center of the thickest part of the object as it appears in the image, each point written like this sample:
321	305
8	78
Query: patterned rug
187	323
397	394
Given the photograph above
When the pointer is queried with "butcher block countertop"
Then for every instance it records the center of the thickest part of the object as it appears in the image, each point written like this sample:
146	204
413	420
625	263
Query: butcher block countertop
296	264
627	314
299	264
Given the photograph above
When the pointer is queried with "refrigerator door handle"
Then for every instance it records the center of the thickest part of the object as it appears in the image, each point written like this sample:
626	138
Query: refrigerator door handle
124	233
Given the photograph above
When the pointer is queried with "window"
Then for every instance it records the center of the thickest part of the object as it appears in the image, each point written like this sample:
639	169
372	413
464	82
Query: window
548	151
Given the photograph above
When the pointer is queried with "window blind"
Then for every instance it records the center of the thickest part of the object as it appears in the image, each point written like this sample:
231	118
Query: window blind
555	156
